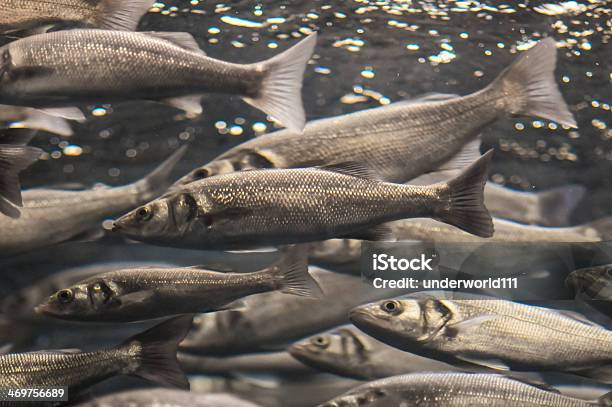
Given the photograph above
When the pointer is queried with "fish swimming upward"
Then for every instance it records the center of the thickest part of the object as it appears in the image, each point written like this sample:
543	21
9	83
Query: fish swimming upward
19	15
63	68
15	156
262	208
403	140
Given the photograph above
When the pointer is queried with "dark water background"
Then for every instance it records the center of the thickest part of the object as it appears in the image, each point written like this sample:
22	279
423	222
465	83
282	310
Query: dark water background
369	52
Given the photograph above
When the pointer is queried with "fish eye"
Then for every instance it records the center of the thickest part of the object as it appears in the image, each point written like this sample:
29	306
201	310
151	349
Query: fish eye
391	307
320	341
144	213
609	272
65	296
201	173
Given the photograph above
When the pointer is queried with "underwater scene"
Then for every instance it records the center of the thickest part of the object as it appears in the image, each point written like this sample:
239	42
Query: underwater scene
305	203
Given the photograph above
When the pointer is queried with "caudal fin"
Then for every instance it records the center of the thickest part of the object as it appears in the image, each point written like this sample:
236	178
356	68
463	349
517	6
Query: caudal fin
121	15
14	159
291	274
528	86
280	93
158	181
155	352
465	193
555	206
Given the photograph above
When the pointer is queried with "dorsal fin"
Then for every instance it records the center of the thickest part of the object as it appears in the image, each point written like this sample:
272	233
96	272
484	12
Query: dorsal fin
181	39
352	168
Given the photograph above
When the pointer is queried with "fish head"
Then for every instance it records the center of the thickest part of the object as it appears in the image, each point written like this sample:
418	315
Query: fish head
335	349
149	222
370	395
88	300
590	280
396	321
217	167
217	333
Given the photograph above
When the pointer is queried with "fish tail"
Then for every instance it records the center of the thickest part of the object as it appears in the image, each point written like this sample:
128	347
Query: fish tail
528	87
465	207
155	352
39	120
291	274
120	15
280	93
13	159
158	181
555	206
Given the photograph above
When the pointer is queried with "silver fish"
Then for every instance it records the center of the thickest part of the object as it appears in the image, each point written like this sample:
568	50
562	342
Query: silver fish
167	397
271	320
279	363
129	295
455	390
278	207
20	117
348	352
505	231
85	66
20	304
150	355
345	251
488	332
53	216
19	15
15	157
305	391
593	285
403	140
552	207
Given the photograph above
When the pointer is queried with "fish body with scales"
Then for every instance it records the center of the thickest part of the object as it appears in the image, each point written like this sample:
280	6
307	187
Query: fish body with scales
454	390
129	295
151	355
284	206
499	334
37	15
63	68
403	140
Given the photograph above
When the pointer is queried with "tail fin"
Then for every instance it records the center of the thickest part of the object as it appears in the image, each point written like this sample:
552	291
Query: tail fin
120	15
280	94
605	400
39	120
556	205
466	209
528	85
156	352
14	159
157	182
291	274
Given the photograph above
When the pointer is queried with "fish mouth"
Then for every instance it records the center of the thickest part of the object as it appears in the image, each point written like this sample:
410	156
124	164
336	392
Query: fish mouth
298	350
41	310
